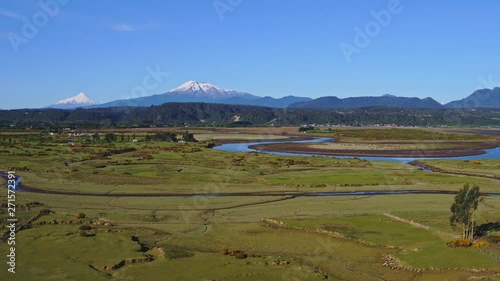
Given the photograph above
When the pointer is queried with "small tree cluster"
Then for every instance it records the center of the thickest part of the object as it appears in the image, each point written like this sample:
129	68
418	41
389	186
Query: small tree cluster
466	202
109	137
164	136
188	137
306	129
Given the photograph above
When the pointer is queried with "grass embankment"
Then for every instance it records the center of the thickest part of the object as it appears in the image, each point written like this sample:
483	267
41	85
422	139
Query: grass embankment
483	167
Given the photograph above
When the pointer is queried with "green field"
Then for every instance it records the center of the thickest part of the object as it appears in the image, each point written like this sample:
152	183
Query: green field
284	237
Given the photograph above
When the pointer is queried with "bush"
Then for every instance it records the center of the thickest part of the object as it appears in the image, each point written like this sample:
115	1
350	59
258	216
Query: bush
306	129
480	244
85	227
241	255
224	251
235	253
80	216
45	212
459	243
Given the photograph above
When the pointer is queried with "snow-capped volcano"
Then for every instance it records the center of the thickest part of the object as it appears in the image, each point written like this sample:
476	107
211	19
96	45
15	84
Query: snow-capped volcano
202	92
193	86
204	89
79	100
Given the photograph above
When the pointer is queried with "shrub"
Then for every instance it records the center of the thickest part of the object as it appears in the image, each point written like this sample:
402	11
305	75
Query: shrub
480	244
45	212
80	216
459	243
224	251
85	227
240	255
235	253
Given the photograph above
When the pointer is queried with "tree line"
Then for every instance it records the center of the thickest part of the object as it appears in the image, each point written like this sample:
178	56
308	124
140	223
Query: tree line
203	115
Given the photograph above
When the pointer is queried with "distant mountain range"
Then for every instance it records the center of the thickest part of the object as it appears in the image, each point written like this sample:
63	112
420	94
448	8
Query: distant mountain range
480	98
357	102
193	91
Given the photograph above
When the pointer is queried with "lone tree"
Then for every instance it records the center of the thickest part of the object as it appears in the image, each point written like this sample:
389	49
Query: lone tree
109	137
466	202
188	137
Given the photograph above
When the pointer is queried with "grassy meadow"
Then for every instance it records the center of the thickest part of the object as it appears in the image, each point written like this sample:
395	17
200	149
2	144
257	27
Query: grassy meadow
131	229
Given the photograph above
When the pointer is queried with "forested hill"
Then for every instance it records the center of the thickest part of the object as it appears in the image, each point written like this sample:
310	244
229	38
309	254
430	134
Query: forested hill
359	102
204	114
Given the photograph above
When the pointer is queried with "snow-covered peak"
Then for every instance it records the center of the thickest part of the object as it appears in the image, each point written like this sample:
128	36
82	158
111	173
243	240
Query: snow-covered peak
193	86
204	89
80	99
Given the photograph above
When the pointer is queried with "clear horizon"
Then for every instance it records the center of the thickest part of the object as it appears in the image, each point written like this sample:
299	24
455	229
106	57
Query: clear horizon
54	49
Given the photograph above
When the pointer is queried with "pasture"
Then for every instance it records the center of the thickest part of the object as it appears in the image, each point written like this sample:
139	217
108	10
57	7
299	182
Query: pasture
152	235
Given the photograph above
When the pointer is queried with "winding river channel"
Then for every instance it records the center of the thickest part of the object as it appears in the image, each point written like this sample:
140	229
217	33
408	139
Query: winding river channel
245	147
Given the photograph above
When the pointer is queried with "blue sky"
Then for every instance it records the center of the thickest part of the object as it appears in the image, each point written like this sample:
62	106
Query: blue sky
442	49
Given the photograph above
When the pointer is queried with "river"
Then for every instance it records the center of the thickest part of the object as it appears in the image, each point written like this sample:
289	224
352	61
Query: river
244	147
